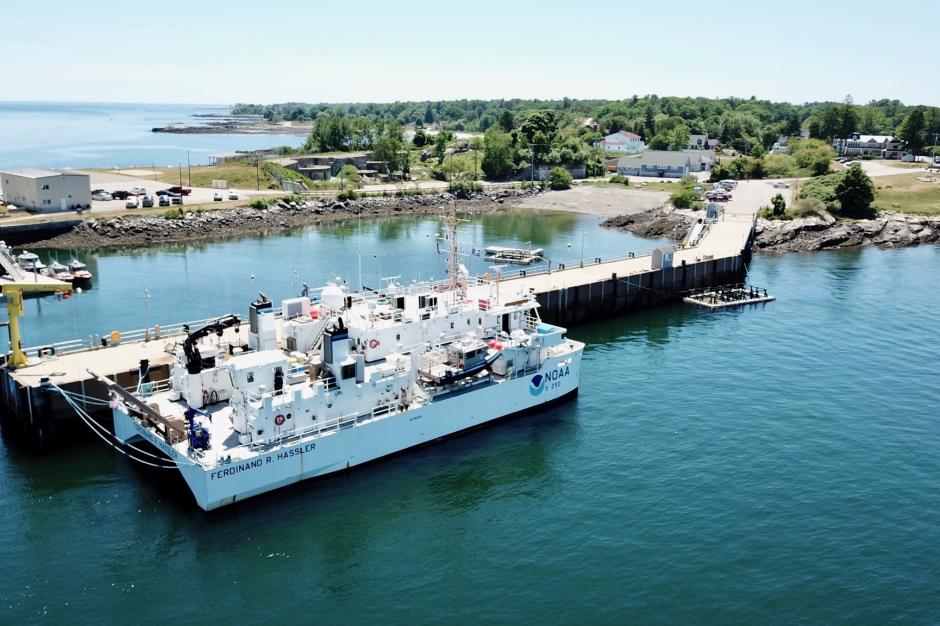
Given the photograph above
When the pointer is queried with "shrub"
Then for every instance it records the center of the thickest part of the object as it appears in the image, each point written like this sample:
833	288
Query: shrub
779	165
559	178
464	188
822	188
806	207
683	198
259	203
173	214
348	194
617	178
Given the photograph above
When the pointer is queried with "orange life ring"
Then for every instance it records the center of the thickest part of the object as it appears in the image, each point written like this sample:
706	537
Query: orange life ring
374	343
279	420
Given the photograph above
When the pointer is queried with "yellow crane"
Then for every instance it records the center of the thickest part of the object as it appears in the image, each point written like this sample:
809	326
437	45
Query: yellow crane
14	291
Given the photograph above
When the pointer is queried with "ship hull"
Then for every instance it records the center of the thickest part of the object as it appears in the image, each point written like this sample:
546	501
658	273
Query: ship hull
326	453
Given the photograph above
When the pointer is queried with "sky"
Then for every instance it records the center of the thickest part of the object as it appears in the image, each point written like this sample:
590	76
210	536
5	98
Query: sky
365	51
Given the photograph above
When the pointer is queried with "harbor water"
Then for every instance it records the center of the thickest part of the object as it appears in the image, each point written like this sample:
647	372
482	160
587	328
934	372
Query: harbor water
771	464
77	135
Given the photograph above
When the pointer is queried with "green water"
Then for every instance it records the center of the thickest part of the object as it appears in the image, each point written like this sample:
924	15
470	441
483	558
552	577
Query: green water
777	464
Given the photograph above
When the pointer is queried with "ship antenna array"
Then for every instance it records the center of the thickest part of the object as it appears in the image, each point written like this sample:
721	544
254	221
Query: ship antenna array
457	279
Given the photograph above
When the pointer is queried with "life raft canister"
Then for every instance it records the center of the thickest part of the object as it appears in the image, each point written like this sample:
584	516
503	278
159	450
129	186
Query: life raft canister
279	419
373	343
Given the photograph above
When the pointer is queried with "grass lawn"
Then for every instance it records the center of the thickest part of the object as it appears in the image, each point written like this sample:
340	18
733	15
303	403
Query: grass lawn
907	194
238	175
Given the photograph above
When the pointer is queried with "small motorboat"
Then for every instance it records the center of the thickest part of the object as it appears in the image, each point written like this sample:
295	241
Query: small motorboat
59	272
30	262
80	273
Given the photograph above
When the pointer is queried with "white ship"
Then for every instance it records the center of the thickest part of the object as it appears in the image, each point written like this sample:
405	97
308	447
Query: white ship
326	384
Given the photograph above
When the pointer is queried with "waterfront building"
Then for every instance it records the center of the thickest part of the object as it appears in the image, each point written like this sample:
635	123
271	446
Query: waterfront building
46	191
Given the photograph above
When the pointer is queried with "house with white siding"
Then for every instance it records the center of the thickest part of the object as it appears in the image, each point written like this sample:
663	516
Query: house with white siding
665	163
878	146
622	141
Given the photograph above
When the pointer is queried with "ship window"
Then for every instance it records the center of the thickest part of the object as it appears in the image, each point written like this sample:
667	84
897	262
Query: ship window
348	371
398	337
468	321
452	325
251	377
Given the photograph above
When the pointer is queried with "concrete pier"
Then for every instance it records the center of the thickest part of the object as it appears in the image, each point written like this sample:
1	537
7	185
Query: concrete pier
568	295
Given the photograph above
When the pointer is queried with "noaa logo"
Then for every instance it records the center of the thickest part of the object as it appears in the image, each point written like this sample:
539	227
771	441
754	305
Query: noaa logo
537	385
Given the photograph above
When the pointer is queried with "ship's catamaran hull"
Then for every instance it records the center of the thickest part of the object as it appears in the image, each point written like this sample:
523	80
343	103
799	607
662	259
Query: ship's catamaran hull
364	440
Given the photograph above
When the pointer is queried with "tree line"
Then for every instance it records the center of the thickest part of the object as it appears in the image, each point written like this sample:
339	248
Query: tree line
661	121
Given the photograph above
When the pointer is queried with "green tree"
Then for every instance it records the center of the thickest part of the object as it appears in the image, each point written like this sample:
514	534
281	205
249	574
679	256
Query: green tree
812	154
420	138
659	142
498	154
559	178
831	123
678	137
912	131
440	147
506	120
849	119
855	192
779	206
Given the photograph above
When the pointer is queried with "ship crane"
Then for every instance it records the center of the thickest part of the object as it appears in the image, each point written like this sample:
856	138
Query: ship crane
193	358
14	293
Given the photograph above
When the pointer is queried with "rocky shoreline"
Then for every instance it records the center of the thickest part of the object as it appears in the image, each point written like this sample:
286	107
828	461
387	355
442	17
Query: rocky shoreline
279	217
808	234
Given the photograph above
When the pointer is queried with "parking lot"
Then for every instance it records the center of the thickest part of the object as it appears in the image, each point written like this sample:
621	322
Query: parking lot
111	182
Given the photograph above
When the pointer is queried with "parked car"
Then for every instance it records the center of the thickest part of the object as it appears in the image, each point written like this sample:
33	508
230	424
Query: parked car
131	204
120	194
217	197
232	194
139	191
719	197
176	199
728	183
147	202
101	195
164	201
163	192
180	190
781	184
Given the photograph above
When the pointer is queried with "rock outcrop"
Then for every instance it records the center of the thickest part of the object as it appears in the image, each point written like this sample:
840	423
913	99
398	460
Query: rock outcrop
888	230
243	221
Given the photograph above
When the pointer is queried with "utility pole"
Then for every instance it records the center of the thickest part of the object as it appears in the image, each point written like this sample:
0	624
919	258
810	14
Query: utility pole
258	171
180	167
189	169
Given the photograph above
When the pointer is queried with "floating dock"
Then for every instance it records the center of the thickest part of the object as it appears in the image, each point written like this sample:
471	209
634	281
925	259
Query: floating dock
727	296
569	294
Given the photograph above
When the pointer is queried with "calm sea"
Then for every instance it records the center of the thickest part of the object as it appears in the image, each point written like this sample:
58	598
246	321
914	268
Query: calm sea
777	464
53	134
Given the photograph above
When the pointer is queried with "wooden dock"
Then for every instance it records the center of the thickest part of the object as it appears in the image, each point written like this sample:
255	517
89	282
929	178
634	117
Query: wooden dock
568	295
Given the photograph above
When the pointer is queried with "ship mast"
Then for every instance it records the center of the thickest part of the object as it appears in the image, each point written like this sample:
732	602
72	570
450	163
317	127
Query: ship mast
458	281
